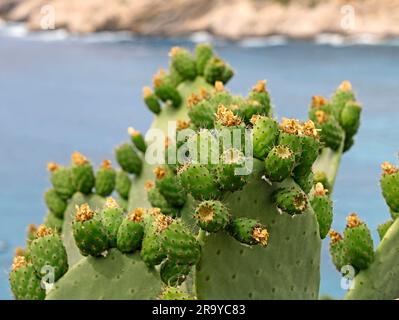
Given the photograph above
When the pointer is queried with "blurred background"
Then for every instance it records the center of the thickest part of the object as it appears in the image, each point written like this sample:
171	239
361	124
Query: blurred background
71	74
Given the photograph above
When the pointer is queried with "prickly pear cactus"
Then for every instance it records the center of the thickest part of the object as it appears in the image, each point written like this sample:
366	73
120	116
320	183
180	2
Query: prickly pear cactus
376	272
229	209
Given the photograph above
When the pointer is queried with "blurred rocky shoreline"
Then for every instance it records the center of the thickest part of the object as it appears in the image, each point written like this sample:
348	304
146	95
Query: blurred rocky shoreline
230	19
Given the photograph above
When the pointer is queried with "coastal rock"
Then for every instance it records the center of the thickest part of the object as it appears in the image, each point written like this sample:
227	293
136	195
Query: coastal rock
232	19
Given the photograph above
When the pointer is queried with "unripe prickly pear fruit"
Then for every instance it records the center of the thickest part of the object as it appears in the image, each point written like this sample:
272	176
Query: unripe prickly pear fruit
305	182
290	200
180	245
319	103
165	90
203	53
111	217
279	163
337	250
358	243
227	170
89	232
260	95
48	250
199	181
105	179
128	159
169	185
82	173
350	117
131	231
322	207
320	176
157	200
172	273
173	293
265	135
61	179
137	139
217	70
202	114
183	62
231	129
53	222
55	203
151	100
31	233
212	216
390	185
341	96
289	136
123	184
203	147
248	231
331	134
310	149
383	228
24	282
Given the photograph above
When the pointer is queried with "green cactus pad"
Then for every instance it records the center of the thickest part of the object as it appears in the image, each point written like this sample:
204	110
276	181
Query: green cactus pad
265	134
262	272
383	228
212	216
123	184
128	159
61	180
117	276
55	203
49	251
172	273
173	293
25	285
279	163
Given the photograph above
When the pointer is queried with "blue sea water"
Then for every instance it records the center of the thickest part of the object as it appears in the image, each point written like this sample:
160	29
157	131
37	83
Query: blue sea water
60	96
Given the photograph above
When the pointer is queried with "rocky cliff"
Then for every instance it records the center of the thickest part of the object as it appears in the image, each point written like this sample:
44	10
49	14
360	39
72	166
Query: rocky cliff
232	19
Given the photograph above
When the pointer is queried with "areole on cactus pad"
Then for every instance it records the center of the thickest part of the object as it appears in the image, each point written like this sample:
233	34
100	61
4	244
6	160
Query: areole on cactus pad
246	223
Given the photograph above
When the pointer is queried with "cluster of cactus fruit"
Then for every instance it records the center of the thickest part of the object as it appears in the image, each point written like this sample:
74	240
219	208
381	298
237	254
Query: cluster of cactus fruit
242	175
